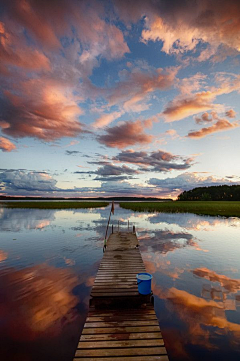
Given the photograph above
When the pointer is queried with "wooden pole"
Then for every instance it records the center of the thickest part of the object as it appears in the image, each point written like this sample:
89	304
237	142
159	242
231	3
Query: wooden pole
105	239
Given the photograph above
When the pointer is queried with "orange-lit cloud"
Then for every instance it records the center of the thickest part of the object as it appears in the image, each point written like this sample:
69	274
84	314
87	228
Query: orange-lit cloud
182	107
182	28
43	110
6	145
220	125
133	91
125	134
14	51
189	103
106	119
230	113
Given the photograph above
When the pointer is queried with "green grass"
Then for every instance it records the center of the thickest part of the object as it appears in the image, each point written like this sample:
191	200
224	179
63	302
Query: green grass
211	208
53	205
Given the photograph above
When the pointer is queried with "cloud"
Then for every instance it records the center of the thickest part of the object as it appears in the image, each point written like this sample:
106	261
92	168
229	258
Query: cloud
14	51
47	52
113	178
22	181
187	181
220	125
72	152
6	145
47	22
125	134
230	113
188	103
139	84
111	169
105	119
183	27
157	161
40	109
111	172
182	107
204	118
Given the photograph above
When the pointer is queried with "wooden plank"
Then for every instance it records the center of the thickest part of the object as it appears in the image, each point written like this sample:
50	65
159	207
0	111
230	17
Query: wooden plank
121	323
119	318
119	329
119	344
124	358
141	351
139	312
122	336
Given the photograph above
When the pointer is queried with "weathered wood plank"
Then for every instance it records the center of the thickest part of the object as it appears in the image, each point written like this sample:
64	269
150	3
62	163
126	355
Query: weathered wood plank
122	336
119	318
121	323
119	344
119	329
124	358
132	351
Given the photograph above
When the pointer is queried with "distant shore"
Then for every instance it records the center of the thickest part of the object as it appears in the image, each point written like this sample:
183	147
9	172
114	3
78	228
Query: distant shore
210	208
53	204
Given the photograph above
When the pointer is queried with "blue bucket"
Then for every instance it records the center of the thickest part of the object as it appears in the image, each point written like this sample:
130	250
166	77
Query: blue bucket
144	283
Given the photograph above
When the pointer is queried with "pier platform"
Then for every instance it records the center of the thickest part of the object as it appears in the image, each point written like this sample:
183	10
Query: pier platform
121	323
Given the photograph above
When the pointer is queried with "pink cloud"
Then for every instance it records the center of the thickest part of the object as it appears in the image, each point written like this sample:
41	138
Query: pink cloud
182	107
47	21
125	134
106	119
205	117
42	109
220	125
139	84
230	113
187	103
14	51
6	145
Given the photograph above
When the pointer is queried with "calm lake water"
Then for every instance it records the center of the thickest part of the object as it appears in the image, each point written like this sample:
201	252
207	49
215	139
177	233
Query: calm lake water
49	259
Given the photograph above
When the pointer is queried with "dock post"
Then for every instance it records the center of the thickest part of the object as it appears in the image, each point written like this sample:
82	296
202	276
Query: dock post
118	226
128	224
112	228
133	229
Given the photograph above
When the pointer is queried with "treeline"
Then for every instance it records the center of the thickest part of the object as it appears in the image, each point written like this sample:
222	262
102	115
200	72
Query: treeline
214	193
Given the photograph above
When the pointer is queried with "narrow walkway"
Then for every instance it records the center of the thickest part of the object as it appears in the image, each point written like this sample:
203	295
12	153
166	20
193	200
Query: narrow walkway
121	323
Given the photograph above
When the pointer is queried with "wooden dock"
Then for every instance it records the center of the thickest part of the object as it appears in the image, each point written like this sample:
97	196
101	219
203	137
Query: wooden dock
121	323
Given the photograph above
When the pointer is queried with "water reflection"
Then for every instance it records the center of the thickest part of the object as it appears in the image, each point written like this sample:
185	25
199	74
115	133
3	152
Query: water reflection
16	220
49	259
166	241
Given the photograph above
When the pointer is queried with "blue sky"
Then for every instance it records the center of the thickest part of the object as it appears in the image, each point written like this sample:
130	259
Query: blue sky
103	98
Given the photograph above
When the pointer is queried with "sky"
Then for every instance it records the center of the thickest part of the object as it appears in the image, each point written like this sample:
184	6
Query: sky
118	98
